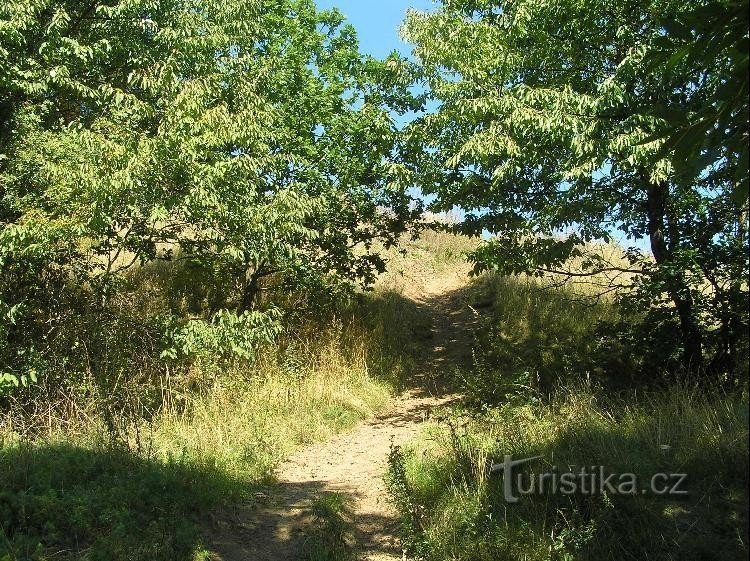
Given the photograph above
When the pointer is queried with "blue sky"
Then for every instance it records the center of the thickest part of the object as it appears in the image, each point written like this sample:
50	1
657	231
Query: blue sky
377	22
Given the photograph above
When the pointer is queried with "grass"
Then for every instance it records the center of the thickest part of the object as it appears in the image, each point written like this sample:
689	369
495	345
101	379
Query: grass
246	425
547	382
532	334
332	534
126	464
68	491
95	502
456	510
434	254
129	470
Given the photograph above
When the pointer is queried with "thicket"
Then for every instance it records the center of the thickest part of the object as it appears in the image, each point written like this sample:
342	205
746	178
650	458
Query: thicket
192	195
559	124
173	175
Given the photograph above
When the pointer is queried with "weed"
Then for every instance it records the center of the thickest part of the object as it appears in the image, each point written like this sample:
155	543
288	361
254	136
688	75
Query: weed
331	537
192	440
465	515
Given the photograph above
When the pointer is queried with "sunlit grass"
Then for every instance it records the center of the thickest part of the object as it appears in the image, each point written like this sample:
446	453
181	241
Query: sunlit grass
464	515
217	435
551	378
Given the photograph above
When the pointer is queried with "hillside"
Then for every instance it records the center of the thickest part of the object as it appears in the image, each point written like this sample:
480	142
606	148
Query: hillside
331	498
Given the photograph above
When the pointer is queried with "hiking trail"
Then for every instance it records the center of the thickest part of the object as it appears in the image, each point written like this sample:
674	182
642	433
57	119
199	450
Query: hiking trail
353	464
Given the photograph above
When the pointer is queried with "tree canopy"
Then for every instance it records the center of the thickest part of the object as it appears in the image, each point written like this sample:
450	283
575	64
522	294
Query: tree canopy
252	144
565	123
248	138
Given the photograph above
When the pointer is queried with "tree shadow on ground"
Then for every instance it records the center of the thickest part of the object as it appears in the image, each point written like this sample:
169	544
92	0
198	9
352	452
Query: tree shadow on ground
297	522
427	339
60	501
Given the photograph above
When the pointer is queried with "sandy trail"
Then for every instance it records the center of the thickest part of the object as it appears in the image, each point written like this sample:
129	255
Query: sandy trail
353	463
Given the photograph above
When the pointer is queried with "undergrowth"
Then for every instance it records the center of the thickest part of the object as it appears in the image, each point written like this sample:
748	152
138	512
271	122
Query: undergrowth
453	508
552	379
71	488
332	535
124	459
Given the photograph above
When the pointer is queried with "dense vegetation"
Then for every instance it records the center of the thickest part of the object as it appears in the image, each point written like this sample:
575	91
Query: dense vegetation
561	123
452	507
240	142
184	186
197	197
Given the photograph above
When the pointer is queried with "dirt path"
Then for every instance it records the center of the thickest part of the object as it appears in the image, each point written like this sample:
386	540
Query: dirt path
354	463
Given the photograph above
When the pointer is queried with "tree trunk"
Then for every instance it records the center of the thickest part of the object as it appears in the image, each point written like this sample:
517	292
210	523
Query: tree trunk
736	307
249	292
679	292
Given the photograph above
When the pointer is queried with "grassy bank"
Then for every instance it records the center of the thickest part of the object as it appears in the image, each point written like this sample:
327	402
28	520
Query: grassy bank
454	509
131	462
71	491
552	377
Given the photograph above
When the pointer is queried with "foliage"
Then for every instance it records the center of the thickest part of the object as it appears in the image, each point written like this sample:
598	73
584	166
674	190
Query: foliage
709	41
250	139
67	493
102	504
534	335
401	494
332	536
564	123
227	335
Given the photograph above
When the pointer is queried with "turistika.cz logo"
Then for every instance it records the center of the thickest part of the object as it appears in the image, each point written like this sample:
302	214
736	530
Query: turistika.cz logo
586	480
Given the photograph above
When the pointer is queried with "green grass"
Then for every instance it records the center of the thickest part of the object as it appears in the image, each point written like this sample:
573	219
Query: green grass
331	537
552	379
454	509
127	465
535	335
68	491
61	501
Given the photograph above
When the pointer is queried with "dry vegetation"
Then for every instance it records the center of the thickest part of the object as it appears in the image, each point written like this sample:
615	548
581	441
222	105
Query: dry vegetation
210	432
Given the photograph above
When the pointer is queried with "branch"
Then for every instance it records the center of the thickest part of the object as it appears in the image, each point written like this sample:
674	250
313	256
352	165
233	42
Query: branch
612	269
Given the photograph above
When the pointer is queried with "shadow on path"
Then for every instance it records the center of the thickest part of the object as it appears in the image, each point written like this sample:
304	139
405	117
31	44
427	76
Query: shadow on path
447	346
279	527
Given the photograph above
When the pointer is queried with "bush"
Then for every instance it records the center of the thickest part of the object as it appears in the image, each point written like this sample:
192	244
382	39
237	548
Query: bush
125	466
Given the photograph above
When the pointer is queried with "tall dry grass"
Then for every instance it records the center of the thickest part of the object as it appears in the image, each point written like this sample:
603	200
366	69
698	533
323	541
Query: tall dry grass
125	468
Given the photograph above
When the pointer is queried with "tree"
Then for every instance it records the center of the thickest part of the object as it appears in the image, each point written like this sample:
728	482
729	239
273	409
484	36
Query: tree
248	138
561	123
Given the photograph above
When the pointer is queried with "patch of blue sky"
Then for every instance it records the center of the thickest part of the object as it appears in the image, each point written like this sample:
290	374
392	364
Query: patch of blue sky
378	24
